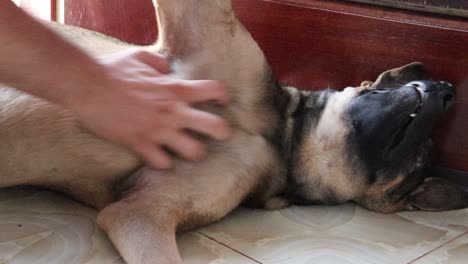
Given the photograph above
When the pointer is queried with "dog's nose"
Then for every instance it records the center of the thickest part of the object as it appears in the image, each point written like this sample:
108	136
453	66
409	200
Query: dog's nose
436	93
445	85
443	91
446	94
430	86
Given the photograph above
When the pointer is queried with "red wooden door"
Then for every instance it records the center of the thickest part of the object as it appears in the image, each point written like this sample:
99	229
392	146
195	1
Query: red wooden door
133	21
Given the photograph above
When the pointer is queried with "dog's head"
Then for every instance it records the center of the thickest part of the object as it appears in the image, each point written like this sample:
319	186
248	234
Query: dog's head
371	145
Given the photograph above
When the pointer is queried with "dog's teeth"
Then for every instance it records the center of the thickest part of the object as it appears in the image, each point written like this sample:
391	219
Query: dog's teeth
413	115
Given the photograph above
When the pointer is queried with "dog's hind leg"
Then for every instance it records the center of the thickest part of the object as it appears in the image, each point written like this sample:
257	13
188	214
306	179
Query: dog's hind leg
143	224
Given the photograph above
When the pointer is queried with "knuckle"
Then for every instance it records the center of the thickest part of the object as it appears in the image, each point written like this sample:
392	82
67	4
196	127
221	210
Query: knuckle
166	107
167	83
142	53
136	143
161	136
180	88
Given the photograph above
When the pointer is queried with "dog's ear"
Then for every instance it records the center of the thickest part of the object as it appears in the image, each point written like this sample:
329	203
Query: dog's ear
408	73
437	194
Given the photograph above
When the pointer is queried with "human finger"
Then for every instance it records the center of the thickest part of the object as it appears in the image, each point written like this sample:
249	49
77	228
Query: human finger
203	122
183	144
201	91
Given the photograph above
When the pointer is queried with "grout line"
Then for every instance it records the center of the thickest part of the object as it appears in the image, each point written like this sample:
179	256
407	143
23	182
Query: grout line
235	250
431	251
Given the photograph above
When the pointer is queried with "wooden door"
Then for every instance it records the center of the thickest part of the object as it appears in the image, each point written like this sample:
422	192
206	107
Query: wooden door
131	20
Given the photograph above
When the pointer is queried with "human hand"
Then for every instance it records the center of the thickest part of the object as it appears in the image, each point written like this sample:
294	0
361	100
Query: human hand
139	107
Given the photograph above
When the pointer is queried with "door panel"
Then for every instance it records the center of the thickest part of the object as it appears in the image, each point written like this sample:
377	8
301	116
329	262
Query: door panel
131	20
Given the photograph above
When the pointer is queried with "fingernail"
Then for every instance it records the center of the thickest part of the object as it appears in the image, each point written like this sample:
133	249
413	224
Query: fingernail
163	165
200	155
226	132
225	99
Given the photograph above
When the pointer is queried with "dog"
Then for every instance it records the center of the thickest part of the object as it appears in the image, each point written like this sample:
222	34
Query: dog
368	144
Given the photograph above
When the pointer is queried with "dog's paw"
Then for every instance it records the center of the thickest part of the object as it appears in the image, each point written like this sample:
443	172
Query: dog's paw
276	203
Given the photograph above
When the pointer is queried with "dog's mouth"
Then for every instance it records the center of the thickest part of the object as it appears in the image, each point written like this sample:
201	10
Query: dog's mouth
399	135
431	100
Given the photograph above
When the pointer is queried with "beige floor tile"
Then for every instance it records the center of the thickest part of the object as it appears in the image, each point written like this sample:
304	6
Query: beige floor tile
455	252
341	234
198	249
45	228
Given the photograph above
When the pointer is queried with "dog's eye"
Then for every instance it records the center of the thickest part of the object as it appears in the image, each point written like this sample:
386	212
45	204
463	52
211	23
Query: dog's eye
415	84
357	126
380	91
374	91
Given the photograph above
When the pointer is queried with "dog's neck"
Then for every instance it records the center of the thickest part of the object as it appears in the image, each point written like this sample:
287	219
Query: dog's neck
300	111
302	114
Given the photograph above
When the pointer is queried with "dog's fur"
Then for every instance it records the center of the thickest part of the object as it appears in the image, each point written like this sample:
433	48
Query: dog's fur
288	146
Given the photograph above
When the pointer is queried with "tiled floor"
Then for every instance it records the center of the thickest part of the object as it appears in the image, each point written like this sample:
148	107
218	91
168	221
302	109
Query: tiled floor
44	228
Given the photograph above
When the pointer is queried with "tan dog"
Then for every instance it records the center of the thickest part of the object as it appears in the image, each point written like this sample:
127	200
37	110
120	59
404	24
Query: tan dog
365	144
